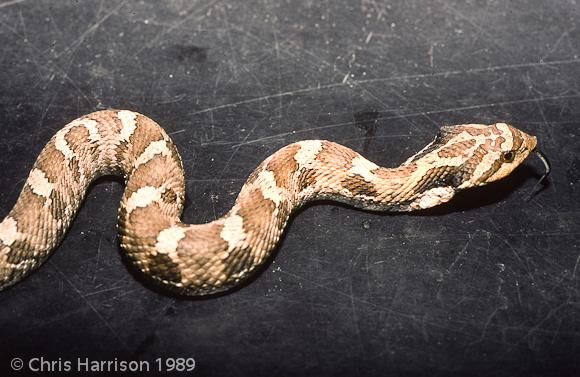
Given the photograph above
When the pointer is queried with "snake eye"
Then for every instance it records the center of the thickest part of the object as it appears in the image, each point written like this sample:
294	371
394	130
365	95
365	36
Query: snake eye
508	156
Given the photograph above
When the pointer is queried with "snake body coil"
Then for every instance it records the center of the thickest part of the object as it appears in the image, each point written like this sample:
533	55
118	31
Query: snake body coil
208	258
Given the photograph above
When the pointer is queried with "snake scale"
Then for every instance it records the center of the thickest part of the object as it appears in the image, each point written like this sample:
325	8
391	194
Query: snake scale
208	258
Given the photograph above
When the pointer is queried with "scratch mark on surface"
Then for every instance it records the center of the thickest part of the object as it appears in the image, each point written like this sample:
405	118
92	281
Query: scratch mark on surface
9	3
98	257
565	34
474	70
79	41
265	98
178	24
354	316
430	54
113	288
518	291
537	326
91	306
349	297
368	38
48	61
480	29
233	61
484	105
392	78
515	253
460	254
407	115
110	289
235	152
576	267
485	327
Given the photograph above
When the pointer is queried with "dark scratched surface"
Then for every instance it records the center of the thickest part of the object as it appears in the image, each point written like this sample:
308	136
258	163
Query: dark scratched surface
489	285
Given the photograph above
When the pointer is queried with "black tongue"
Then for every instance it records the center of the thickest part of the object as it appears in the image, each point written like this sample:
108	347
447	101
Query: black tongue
544	160
546	163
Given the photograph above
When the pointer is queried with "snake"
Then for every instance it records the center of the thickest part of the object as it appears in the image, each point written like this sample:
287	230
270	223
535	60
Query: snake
209	258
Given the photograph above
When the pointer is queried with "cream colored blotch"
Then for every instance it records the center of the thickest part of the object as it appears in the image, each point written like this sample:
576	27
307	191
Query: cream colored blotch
364	168
435	197
143	197
233	231
8	231
128	122
269	188
91	126
156	147
309	149
39	184
169	238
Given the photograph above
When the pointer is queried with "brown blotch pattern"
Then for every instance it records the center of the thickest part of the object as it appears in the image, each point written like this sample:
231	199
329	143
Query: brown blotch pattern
455	149
357	185
22	250
43	223
238	261
438	177
162	267
152	173
481	132
472	162
108	126
28	202
284	166
77	140
256	212
395	175
107	121
200	245
64	174
255	174
169	196
517	140
61	204
145	133
175	155
85	152
199	251
335	155
146	223
121	154
306	178
497	143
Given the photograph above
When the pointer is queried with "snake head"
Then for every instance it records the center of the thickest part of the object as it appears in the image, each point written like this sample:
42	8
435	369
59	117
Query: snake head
465	156
471	155
506	150
483	153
